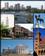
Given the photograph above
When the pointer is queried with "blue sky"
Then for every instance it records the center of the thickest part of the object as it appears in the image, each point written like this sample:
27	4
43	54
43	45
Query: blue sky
42	15
12	44
41	30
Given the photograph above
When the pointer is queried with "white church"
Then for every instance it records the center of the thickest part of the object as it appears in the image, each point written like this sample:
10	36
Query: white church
7	19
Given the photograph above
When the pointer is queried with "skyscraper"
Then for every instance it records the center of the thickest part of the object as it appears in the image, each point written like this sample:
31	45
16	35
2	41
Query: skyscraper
17	6
41	7
6	5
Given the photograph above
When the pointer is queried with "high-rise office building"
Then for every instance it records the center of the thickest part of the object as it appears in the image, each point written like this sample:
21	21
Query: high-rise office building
17	6
6	5
41	7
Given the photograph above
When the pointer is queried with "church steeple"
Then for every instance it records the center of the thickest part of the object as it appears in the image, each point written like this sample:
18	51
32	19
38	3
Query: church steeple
37	42
38	35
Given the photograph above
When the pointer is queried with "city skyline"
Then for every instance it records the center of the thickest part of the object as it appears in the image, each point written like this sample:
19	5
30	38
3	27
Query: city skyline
34	4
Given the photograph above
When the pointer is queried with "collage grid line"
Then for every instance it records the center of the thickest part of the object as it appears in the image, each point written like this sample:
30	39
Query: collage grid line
22	28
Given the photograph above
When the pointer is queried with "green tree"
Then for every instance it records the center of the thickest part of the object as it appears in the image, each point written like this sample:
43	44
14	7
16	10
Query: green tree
4	29
3	26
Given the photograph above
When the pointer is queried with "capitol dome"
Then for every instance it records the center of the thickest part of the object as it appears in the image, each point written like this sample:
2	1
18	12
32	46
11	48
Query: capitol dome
21	49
